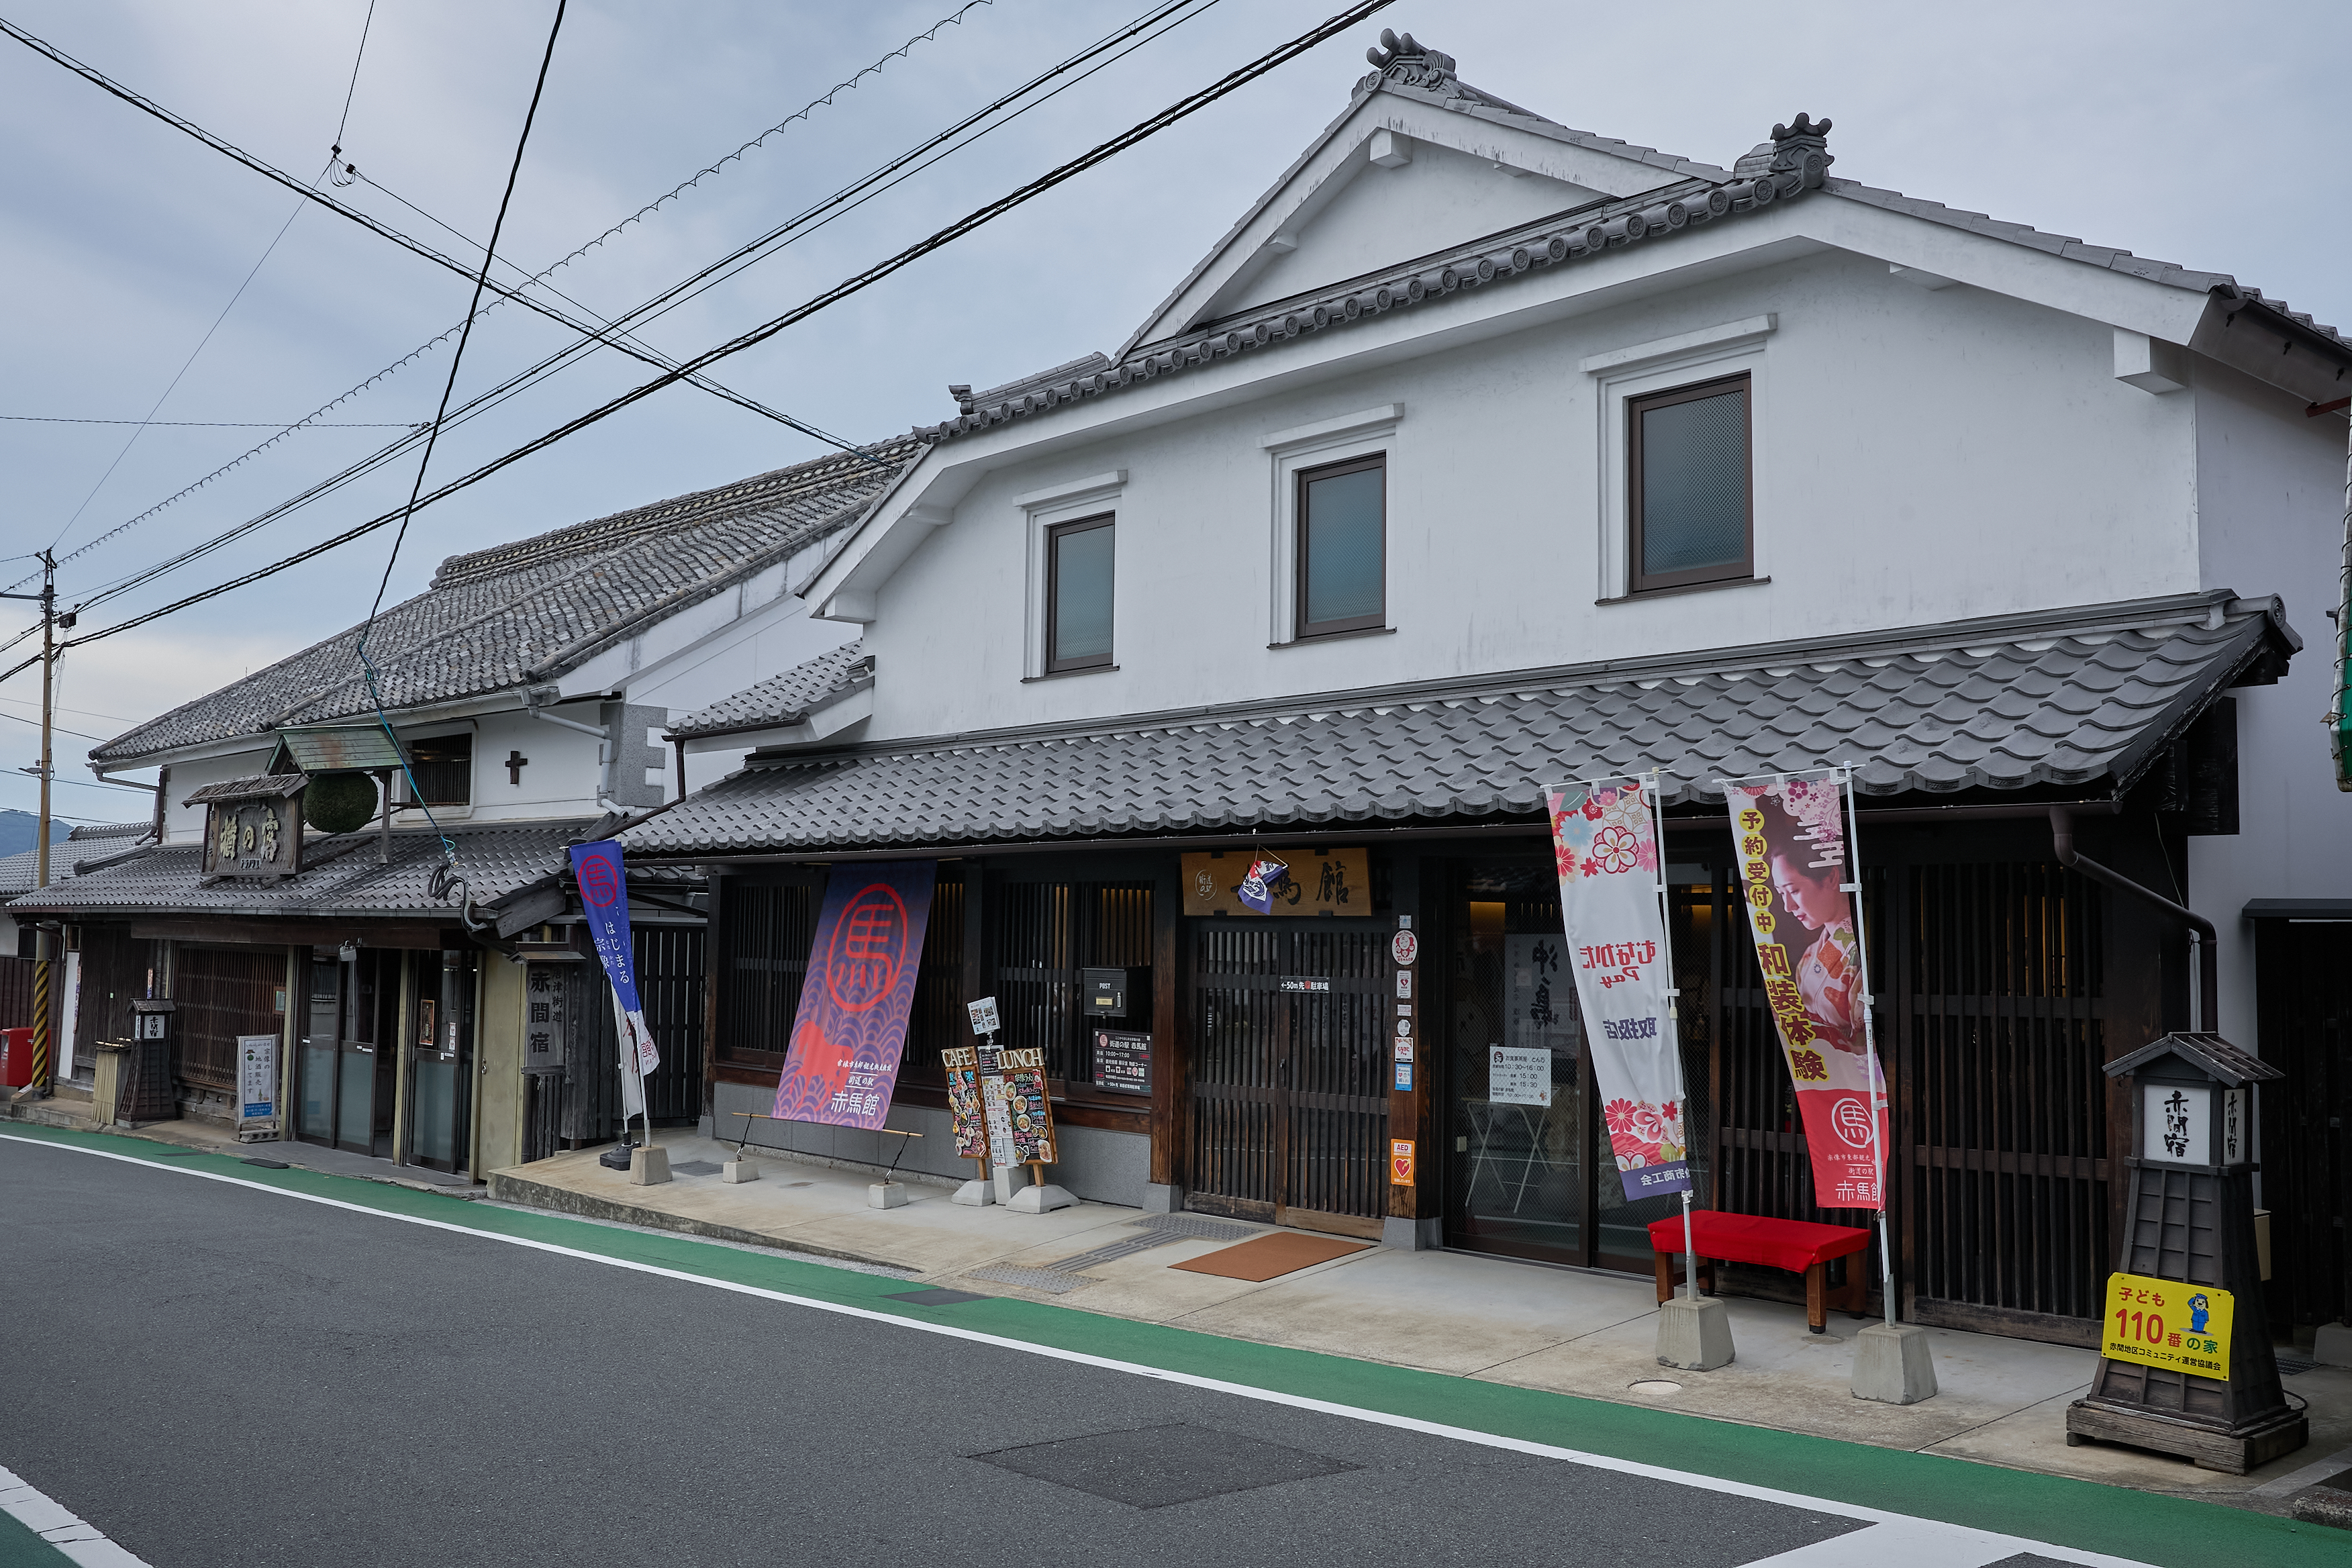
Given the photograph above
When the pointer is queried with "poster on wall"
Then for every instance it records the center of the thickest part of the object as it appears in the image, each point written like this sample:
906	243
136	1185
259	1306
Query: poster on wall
1605	839
1790	835
256	1082
851	1027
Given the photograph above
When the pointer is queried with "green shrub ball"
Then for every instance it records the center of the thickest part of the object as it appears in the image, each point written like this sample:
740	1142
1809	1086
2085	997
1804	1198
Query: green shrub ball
340	803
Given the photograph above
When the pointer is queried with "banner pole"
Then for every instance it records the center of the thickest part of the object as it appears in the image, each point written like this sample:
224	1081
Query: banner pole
1870	1035
1674	1021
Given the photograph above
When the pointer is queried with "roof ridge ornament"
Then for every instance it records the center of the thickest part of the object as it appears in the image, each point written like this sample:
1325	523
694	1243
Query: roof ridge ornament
1410	61
1799	147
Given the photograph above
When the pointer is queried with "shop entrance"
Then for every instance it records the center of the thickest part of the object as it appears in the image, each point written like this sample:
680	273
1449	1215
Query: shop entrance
1288	1072
441	1022
344	1085
1529	1172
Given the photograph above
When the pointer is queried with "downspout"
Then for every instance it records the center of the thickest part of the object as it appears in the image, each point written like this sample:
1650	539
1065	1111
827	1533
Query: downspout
530	699
2205	978
2339	718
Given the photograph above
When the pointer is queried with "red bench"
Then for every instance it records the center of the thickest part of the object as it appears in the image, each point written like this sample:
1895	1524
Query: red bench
1797	1245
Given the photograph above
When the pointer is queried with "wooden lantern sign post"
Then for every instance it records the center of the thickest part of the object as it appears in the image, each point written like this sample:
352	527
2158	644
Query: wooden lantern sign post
2186	1364
1016	1115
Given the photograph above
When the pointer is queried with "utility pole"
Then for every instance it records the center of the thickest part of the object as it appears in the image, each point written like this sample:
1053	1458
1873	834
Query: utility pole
39	1087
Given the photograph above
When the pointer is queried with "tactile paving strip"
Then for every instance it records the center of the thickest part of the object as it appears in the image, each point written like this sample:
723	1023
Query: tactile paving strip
1199	1227
1053	1281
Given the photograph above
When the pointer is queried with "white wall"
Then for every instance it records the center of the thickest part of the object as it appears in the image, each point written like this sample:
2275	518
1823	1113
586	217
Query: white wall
1921	457
2271	491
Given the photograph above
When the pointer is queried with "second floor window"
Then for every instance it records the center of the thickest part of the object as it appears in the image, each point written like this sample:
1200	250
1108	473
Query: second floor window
444	769
1343	547
1689	490
1079	593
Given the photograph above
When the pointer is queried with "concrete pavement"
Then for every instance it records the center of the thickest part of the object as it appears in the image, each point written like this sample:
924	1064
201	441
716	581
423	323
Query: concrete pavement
2002	1401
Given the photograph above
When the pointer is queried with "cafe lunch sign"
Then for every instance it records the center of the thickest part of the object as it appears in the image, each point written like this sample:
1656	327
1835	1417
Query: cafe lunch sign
253	828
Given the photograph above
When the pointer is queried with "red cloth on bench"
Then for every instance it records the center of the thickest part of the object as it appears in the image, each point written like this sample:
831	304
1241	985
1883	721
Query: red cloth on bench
1794	1245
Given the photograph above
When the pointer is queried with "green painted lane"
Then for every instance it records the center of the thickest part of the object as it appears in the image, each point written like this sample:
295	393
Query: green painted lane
2176	1532
21	1548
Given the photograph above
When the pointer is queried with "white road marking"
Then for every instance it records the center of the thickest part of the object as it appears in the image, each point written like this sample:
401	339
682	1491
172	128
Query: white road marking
55	1524
1921	1542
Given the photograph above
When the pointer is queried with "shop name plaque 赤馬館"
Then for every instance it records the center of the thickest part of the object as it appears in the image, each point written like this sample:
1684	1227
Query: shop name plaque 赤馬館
1324	882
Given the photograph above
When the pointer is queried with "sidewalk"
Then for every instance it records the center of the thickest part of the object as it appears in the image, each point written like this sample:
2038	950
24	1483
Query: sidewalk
2001	1401
70	1108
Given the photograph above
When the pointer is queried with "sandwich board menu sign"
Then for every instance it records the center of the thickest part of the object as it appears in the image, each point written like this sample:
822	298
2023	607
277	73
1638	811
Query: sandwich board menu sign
964	1109
1028	1111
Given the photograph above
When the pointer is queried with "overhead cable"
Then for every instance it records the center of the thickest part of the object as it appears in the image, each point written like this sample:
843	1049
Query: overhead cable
1183	109
1115	45
800	114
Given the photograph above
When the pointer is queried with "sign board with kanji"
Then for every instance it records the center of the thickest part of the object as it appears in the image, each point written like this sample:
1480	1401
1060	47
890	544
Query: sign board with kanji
1327	882
2164	1323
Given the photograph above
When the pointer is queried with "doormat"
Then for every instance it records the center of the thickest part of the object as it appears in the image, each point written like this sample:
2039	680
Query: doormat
1279	1253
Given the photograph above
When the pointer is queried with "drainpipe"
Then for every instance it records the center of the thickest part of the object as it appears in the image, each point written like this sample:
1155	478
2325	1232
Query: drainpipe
532	699
2204	981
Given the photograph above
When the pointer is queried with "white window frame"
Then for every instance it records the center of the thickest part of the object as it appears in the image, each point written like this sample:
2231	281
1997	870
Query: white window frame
1363	434
1071	502
1637	370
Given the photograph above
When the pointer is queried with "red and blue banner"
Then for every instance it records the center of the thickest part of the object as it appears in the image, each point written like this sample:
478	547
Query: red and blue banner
604	899
852	1025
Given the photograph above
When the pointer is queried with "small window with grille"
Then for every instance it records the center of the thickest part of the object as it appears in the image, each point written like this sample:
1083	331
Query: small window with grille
1689	485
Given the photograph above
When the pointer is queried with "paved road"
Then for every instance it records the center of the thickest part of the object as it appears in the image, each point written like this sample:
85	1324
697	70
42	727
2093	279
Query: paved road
262	1381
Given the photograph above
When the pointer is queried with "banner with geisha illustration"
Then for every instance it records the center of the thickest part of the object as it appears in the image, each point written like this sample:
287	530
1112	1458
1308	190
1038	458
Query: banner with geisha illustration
1605	837
852	1024
1790	835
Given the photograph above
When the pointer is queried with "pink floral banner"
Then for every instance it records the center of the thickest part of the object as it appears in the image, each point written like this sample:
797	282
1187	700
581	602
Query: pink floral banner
1605	837
1790	837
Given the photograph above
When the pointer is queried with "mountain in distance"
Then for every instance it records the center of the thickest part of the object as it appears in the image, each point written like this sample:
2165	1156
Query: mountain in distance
21	830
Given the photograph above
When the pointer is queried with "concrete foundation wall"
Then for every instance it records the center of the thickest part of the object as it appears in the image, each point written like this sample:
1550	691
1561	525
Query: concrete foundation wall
1099	1166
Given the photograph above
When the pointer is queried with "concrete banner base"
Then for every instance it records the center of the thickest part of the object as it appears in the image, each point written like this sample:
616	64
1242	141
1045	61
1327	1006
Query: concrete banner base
1041	1200
1892	1365
975	1193
739	1170
1694	1335
887	1195
648	1165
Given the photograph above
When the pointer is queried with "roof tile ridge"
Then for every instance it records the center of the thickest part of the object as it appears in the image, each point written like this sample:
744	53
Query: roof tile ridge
650	513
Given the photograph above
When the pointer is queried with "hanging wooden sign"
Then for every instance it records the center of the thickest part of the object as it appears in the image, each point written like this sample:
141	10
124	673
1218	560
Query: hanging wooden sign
253	828
1327	882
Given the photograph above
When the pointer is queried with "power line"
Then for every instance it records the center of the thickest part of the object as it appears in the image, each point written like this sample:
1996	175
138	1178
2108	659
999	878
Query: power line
1115	45
1229	82
357	56
435	341
375	226
202	424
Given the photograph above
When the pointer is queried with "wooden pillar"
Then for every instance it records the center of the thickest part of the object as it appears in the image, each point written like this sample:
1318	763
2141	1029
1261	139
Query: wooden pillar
2146	981
1170	994
1413	1211
716	964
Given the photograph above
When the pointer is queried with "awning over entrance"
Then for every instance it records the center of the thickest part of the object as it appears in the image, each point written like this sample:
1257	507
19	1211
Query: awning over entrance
2082	701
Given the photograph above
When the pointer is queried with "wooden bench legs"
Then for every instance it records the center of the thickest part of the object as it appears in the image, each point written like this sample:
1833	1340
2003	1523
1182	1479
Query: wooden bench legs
1821	1295
1669	1276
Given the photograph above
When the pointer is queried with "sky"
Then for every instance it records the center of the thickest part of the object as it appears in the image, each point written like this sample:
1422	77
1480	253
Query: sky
151	278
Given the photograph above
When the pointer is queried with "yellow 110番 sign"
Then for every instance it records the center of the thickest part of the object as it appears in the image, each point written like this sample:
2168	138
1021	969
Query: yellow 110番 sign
2164	1323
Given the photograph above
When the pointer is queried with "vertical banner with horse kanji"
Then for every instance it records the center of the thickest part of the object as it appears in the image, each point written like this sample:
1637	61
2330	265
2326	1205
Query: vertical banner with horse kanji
1604	835
1804	908
852	1024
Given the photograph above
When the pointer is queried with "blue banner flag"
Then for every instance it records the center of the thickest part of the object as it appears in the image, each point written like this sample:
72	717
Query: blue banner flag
604	897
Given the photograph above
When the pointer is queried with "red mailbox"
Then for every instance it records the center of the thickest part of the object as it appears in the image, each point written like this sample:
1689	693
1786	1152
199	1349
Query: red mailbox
16	1058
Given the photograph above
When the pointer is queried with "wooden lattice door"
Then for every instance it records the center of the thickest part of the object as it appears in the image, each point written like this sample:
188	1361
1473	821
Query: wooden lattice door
1289	1064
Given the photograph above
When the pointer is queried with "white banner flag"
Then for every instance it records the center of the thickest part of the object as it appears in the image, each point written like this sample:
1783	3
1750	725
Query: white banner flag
1605	837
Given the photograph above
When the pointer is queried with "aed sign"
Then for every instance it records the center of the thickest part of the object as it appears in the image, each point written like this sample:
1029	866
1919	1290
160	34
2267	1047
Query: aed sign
1399	1162
2166	1323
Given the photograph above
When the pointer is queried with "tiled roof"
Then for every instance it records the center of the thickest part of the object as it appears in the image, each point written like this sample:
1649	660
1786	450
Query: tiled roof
340	877
2081	699
526	611
787	698
1797	163
71	857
